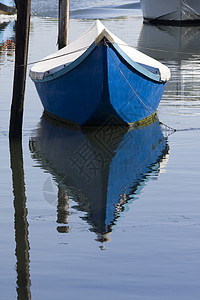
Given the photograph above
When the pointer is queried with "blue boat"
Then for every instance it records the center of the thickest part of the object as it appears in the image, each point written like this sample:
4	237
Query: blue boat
7	7
98	76
102	169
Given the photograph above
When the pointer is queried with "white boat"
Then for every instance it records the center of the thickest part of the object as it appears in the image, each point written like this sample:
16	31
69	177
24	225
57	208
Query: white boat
177	11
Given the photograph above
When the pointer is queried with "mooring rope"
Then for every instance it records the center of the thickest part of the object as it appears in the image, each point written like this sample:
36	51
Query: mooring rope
151	113
86	47
121	44
158	50
54	57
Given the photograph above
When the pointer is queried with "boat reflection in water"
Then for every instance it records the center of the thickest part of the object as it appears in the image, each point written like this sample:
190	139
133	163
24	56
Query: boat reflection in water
179	48
169	43
7	40
100	168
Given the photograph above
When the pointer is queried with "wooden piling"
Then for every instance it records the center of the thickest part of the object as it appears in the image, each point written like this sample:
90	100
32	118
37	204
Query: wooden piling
63	28
21	55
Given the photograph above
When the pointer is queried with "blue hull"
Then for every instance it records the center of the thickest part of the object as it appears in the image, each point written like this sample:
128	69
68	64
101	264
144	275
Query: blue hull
104	85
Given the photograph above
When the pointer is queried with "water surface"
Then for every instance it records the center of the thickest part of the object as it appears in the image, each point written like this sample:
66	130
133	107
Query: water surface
106	213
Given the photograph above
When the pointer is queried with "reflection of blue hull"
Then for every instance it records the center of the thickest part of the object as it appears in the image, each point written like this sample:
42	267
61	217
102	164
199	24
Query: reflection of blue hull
139	156
100	168
103	82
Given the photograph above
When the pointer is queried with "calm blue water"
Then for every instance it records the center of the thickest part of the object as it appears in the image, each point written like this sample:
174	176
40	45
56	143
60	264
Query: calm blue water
103	213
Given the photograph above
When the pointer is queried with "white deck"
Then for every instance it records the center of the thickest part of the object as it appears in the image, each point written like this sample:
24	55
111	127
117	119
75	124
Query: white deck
58	60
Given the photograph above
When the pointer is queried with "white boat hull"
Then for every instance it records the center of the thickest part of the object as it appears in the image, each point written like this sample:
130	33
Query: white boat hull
171	10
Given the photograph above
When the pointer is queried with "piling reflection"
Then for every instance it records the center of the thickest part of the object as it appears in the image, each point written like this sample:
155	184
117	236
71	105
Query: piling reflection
100	168
21	223
63	210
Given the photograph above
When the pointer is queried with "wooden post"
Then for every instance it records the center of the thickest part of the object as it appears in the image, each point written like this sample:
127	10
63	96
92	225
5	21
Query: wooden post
63	23
21	55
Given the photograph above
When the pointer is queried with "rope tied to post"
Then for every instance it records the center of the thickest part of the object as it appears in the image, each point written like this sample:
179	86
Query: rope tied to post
135	93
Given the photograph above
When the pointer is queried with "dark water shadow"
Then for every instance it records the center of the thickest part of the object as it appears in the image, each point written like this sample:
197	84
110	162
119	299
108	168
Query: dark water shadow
101	168
20	222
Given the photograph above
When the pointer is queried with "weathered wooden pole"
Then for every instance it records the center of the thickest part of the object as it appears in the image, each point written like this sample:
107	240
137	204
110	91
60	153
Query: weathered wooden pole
21	55
63	27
